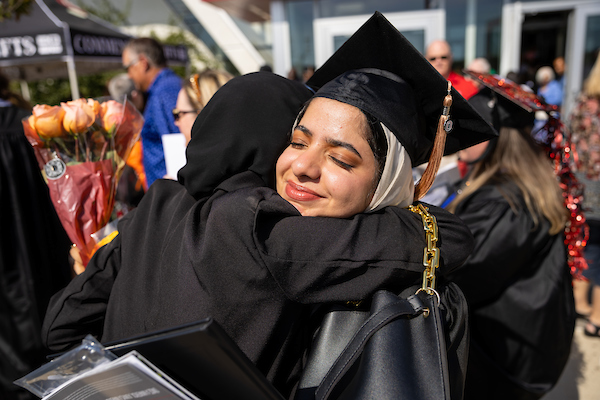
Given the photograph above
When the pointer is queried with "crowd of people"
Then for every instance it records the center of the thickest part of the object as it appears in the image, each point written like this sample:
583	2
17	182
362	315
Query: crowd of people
351	145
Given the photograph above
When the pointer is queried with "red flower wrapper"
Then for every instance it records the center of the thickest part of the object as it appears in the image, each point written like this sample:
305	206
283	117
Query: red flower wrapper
81	147
554	136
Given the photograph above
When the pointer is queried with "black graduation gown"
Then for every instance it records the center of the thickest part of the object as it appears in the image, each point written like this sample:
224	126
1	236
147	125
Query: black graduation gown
248	259
34	252
518	287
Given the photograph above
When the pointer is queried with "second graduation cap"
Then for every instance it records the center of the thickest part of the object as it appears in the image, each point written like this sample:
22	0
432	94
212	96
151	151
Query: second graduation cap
379	71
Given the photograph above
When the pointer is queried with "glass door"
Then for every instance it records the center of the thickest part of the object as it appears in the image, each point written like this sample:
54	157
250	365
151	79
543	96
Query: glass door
582	39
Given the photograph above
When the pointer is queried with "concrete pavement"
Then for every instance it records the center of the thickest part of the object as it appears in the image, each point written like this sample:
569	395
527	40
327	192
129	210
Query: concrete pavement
581	378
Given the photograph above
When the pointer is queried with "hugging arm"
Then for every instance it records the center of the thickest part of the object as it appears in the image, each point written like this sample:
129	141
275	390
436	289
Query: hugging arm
79	309
317	259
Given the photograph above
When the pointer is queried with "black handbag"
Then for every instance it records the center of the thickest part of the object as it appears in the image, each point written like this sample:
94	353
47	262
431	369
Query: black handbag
394	350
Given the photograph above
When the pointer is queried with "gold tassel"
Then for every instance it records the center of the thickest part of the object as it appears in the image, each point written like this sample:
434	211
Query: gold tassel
437	152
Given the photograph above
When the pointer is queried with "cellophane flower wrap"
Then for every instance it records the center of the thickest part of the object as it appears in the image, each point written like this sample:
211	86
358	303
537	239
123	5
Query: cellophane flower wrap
81	147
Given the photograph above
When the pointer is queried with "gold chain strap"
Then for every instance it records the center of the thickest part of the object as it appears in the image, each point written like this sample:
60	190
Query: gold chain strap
431	256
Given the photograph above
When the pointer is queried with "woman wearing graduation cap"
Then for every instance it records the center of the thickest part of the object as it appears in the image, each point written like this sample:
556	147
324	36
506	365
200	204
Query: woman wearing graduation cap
516	281
221	243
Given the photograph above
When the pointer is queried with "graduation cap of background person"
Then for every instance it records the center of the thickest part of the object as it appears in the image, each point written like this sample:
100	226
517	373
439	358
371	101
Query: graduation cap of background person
525	98
500	111
505	103
379	45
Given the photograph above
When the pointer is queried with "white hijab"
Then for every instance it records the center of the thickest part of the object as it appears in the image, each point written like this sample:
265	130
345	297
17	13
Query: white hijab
396	186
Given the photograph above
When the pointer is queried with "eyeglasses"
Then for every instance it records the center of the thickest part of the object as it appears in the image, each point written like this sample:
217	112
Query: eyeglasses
435	58
131	64
178	113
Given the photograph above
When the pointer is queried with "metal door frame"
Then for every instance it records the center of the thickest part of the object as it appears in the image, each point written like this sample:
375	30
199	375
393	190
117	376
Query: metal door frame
513	15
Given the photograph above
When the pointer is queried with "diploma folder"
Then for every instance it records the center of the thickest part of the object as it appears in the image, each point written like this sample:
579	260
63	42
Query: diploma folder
203	359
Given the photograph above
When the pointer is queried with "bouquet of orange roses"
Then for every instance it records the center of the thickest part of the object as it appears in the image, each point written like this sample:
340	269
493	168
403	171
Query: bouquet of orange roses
81	147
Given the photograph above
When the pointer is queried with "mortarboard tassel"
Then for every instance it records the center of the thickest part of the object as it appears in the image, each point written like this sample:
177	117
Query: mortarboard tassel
435	159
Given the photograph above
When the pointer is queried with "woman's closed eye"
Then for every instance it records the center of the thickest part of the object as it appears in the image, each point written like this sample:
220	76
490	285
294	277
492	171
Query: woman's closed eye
340	163
297	145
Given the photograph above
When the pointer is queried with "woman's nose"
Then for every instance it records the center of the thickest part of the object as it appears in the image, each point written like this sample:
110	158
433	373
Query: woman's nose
308	164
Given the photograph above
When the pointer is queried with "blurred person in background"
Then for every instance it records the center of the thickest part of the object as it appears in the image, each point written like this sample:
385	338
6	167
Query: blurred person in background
193	96
559	70
548	87
133	180
517	280
584	123
122	86
146	65
439	55
307	73
34	248
481	66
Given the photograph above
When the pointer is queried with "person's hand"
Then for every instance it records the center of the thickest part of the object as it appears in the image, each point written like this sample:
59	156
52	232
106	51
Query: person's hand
78	267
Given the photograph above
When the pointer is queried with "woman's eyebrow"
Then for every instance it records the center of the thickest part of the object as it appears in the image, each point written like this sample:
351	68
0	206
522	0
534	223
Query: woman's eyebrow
348	146
331	142
304	130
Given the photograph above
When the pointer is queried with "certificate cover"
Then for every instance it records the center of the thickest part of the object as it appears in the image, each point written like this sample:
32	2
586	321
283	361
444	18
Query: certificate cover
128	377
204	360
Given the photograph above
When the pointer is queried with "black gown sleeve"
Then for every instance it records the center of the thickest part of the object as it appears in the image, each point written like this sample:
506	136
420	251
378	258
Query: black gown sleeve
316	259
79	309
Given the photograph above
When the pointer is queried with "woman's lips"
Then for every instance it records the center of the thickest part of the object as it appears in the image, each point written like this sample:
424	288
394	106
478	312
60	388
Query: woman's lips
300	193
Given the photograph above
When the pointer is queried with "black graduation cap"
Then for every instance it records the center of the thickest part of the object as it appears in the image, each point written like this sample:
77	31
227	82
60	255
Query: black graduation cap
500	111
504	103
378	45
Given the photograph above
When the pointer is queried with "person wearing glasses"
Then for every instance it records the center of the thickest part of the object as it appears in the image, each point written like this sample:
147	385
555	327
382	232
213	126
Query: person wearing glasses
439	55
193	96
146	65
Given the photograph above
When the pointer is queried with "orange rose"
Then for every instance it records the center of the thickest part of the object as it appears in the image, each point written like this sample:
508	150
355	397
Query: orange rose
79	116
95	106
30	133
112	115
48	120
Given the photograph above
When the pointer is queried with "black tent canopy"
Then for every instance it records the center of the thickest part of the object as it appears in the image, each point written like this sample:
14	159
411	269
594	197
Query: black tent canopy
58	40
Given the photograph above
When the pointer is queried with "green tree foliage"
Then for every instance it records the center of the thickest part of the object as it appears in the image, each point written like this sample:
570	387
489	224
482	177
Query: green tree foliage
10	9
53	91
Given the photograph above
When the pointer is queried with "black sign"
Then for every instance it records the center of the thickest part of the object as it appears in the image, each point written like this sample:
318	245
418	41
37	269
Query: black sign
95	45
30	46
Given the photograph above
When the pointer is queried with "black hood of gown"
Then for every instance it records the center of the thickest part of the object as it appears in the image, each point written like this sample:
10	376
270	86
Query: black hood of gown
245	126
